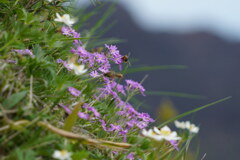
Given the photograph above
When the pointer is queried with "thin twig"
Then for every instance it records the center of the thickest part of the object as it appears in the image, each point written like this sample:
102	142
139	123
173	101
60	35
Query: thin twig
98	143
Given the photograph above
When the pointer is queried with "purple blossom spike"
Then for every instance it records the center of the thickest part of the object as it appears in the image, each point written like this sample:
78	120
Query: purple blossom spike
74	91
24	52
135	85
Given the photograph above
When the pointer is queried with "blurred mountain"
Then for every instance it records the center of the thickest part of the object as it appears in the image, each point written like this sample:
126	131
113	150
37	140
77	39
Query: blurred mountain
213	72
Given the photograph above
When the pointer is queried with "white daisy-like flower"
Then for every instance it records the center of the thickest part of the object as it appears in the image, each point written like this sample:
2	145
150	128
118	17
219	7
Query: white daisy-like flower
78	69
187	125
164	133
65	19
151	134
180	125
62	155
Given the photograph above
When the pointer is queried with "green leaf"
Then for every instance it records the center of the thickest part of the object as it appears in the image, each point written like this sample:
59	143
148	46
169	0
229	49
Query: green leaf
151	68
71	119
194	110
14	99
80	155
175	94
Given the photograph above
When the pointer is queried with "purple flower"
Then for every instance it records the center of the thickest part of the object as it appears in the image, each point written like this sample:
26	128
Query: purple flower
59	61
95	112
65	108
24	52
174	144
101	58
103	124
130	156
91	60
124	133
120	113
116	57
131	123
105	67
74	91
66	31
145	117
142	124
82	52
11	61
83	115
120	89
114	128
94	74
65	64
80	114
135	85
115	152
112	49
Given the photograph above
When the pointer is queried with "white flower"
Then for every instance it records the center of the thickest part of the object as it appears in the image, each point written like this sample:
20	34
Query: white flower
164	133
65	19
78	69
187	125
180	125
49	1
62	155
151	134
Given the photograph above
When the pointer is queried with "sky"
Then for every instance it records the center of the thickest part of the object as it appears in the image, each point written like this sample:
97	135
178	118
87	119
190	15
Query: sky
220	17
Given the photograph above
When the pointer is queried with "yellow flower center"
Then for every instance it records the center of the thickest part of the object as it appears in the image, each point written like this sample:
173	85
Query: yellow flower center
165	133
63	152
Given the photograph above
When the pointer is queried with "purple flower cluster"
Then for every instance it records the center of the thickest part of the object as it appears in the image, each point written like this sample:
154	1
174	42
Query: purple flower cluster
68	31
99	64
132	85
129	117
24	52
115	55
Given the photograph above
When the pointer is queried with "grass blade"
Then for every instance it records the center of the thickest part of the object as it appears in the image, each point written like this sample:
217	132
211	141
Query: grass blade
175	94
152	68
193	111
71	119
14	99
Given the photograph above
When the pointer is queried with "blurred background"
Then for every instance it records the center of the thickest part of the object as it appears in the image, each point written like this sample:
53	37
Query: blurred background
202	35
